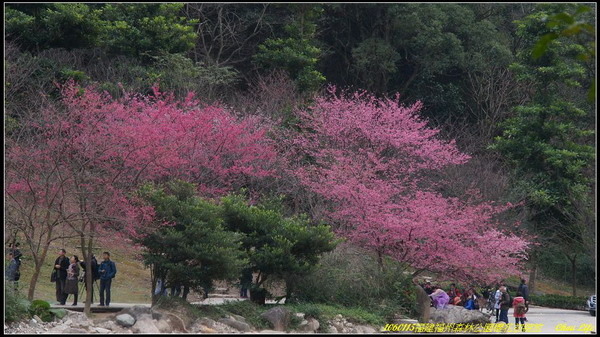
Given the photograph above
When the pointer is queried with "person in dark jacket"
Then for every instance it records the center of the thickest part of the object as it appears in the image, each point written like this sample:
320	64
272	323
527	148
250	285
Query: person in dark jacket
17	253
95	274
245	282
524	290
505	304
12	271
60	265
72	282
427	287
107	271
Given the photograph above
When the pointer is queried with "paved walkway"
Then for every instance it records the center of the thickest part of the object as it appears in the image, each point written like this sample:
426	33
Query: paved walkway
559	321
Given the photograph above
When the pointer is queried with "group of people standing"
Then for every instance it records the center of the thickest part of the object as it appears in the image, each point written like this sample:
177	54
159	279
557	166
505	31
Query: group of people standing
520	304
440	298
66	276
471	299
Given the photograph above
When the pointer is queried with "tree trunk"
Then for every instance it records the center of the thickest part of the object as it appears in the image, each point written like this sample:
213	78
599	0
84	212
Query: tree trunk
34	279
532	273
39	262
574	271
87	253
380	260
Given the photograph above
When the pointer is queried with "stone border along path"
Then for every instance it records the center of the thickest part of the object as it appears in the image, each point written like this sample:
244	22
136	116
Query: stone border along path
115	307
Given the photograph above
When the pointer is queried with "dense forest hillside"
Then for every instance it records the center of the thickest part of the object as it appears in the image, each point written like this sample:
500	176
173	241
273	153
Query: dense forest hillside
498	98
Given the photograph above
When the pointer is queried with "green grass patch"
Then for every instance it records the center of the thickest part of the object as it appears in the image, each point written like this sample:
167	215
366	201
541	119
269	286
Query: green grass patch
324	312
250	311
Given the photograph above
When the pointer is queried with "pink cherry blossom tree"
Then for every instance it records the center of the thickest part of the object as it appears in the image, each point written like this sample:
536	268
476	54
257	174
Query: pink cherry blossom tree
84	156
371	160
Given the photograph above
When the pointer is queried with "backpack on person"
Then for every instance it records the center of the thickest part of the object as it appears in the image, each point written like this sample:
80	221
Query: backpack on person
521	309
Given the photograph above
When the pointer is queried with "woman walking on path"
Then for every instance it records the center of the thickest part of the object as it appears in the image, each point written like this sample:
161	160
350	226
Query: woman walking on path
519	311
72	283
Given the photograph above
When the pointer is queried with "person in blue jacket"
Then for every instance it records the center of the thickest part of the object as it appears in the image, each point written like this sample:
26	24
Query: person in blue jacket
107	271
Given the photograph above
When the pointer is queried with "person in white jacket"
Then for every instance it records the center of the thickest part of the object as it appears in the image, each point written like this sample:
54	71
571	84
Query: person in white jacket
497	297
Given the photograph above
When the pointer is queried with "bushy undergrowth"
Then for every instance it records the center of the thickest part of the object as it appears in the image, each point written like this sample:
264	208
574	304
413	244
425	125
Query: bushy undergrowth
324	312
351	277
16	306
249	310
558	301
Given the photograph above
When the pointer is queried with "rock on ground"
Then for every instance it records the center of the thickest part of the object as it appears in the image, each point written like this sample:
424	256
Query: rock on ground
145	324
74	330
240	326
102	330
279	317
207	322
125	320
458	314
309	325
137	310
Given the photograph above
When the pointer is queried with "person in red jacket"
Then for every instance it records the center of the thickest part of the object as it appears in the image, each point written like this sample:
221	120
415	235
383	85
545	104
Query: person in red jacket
519	310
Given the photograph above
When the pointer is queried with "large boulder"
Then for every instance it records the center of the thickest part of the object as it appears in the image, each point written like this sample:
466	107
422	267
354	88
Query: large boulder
107	324
240	326
164	325
309	325
145	324
125	320
458	314
279	317
176	322
137	310
238	318
207	322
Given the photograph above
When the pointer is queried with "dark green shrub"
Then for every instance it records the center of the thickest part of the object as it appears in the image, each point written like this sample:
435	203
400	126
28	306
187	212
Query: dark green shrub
558	301
42	310
16	305
59	313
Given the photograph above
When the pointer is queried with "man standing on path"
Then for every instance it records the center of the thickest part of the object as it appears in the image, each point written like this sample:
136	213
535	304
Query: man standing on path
505	304
95	275
524	290
245	282
107	271
61	264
